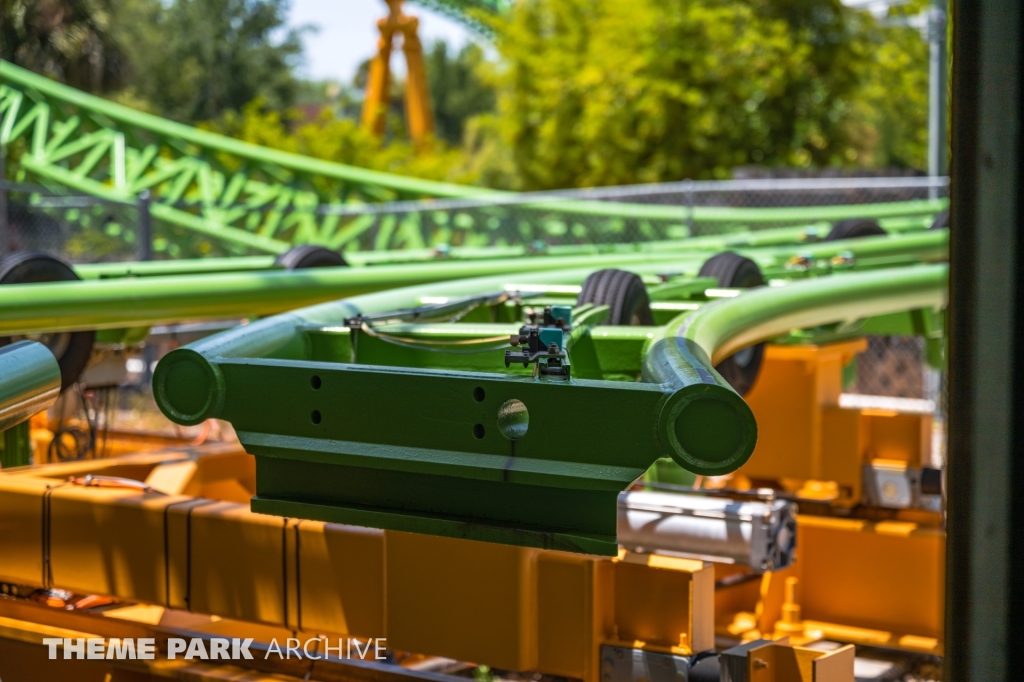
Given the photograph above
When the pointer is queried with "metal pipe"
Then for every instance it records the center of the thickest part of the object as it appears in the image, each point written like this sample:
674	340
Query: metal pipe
330	465
113	303
681	358
760	534
937	67
187	266
31	381
905	249
188	386
720	329
698	395
683	354
145	221
110	303
921	243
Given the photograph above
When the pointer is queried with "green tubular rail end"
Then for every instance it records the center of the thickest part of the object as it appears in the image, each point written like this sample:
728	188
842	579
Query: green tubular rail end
706	427
191	388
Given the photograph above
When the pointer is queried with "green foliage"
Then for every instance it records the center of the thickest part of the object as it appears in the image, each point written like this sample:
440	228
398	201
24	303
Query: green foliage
889	118
600	92
69	40
195	59
457	88
189	60
342	140
483	673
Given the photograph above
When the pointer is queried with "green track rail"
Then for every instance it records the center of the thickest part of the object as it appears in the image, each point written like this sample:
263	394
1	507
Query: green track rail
164	292
467	12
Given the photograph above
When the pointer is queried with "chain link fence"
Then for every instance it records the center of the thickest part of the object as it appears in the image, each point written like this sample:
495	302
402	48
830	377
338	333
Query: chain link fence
892	373
896	367
892	366
77	229
641	213
83	228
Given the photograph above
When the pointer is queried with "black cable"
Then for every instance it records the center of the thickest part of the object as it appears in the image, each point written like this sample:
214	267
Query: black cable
46	520
284	569
59	450
298	580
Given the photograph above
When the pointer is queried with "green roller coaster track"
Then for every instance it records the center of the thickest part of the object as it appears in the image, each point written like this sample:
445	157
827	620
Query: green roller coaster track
465	11
254	199
235	192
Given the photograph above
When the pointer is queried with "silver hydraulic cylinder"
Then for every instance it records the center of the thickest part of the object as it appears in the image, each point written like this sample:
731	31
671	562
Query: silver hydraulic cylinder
759	534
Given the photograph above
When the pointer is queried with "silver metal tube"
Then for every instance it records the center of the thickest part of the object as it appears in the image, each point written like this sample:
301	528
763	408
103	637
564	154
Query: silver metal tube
30	381
761	535
937	92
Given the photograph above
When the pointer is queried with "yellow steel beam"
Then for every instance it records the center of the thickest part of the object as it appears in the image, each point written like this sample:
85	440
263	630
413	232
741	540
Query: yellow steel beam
509	607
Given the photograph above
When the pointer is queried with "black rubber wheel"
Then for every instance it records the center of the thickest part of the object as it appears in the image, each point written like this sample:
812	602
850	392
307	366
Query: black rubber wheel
941	221
621	291
734	271
309	256
72	349
705	669
854	228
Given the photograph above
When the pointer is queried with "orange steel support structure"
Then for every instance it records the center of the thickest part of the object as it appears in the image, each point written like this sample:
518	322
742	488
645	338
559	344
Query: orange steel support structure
419	116
188	545
875	581
812	446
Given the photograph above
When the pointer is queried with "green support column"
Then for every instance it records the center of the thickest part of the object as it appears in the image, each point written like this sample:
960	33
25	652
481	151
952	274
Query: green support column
16	447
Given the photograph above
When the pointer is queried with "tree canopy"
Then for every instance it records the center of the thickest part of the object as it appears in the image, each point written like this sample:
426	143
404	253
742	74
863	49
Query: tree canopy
598	92
68	40
189	60
458	88
195	59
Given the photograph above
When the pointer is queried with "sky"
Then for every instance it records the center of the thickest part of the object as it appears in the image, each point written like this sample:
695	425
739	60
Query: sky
348	34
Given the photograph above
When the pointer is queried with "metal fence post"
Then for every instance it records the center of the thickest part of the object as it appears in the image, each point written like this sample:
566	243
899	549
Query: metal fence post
689	206
4	237
937	93
145	227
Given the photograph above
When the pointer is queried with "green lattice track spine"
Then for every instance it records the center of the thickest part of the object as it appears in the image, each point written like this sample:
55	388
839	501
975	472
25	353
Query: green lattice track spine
253	197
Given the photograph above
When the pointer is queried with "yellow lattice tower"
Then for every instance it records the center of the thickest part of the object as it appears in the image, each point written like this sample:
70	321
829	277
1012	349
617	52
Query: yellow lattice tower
419	116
